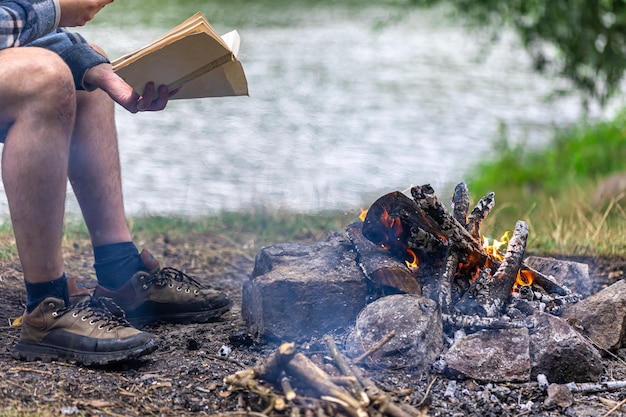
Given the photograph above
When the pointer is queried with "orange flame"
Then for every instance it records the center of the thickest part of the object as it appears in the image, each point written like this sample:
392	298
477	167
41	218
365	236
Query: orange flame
413	264
392	232
524	278
496	246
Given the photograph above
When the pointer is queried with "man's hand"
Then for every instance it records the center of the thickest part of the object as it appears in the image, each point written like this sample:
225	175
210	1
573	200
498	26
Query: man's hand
153	99
79	12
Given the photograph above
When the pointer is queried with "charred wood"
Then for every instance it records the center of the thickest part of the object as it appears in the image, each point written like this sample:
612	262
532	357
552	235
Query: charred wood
476	322
379	265
487	295
460	203
425	243
546	283
394	221
458	236
479	213
445	288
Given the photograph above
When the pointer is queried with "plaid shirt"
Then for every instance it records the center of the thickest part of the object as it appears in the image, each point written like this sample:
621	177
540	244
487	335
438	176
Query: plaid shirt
34	23
23	21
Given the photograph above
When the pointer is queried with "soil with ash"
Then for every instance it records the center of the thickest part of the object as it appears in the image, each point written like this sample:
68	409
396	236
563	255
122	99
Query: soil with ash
185	376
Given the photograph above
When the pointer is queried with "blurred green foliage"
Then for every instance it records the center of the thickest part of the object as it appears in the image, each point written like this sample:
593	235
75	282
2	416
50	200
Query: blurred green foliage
584	152
552	188
581	40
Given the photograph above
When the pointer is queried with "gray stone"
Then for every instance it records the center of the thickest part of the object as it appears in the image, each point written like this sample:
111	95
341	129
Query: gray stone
303	290
418	328
602	317
574	275
560	352
491	356
559	395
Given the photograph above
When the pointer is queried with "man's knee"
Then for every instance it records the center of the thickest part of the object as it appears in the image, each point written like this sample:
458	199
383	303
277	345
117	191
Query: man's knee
30	71
31	77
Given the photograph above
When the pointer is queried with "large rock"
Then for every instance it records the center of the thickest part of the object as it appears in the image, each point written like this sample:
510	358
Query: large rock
416	322
602	317
298	291
491	355
560	352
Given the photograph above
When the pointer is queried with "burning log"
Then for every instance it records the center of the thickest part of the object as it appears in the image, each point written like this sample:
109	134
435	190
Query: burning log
487	295
479	213
394	222
380	266
426	199
546	283
455	269
460	203
456	233
445	289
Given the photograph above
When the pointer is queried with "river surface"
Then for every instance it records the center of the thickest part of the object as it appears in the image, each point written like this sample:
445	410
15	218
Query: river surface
346	103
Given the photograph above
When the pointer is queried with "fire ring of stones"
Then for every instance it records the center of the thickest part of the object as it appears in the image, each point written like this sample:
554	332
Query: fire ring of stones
413	285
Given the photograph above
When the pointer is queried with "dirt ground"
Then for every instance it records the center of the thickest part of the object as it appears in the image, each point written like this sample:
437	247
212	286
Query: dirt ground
185	376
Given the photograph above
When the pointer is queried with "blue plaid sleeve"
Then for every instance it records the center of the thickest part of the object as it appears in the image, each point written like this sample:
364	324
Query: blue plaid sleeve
33	23
23	21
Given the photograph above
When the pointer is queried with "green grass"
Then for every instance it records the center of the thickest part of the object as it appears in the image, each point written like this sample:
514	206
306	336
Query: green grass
551	189
256	227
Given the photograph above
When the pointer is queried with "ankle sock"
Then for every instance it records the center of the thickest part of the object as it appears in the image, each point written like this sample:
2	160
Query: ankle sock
116	263
36	293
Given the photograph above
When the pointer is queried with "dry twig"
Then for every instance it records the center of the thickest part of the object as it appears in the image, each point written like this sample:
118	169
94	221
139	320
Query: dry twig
376	347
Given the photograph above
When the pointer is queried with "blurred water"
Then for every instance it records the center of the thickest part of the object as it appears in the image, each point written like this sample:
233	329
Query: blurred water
341	110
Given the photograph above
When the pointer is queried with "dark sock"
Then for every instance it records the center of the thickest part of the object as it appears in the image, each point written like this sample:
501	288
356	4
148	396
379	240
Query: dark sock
36	293
116	263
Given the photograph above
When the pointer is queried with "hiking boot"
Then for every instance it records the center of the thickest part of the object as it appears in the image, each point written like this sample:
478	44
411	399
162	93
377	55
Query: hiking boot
166	294
92	332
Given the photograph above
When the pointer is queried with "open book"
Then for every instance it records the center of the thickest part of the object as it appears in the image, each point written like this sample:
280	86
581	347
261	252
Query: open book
191	56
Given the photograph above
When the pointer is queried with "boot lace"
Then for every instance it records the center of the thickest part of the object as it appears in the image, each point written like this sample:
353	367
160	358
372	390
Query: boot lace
101	310
178	279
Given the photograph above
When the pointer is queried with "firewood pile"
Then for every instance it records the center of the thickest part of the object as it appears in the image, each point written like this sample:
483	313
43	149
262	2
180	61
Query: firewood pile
474	284
288	379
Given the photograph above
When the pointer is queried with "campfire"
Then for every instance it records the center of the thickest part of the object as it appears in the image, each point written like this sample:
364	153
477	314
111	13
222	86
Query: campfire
415	285
476	282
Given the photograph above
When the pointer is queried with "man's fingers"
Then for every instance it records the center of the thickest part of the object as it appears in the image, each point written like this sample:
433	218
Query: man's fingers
153	100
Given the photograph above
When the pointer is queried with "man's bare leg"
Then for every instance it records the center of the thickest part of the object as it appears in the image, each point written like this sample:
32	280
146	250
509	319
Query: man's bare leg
38	111
94	169
40	117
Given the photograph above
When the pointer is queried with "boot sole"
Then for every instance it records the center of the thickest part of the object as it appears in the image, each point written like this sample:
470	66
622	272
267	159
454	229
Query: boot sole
180	318
29	351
